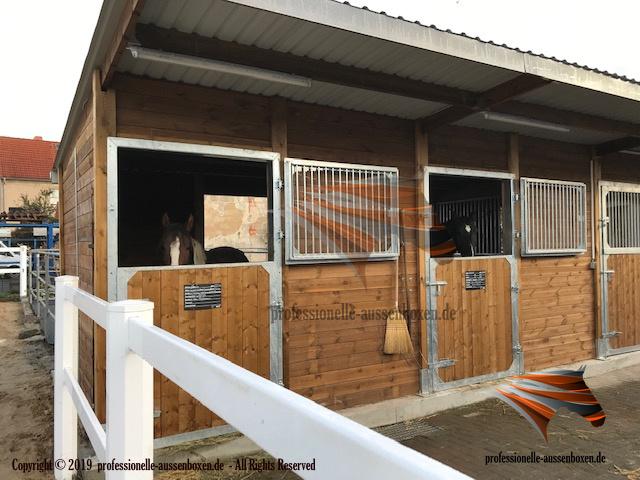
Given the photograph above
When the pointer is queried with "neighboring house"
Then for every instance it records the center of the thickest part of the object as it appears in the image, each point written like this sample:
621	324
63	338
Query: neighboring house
25	166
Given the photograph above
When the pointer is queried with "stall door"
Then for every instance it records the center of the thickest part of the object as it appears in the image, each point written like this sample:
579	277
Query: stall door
226	312
472	313
621	266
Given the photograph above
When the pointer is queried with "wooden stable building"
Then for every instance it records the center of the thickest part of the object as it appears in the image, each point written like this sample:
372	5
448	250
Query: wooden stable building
293	101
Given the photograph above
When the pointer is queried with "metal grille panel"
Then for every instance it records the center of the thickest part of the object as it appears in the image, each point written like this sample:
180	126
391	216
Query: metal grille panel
553	217
487	213
622	207
337	212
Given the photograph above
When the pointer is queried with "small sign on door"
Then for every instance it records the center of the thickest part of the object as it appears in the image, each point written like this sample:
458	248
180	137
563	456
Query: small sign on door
202	296
475	280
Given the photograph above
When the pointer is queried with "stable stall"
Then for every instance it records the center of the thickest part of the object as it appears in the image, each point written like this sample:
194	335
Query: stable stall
361	163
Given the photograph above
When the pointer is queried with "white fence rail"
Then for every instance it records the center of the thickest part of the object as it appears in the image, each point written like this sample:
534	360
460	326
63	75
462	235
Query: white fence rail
14	260
285	424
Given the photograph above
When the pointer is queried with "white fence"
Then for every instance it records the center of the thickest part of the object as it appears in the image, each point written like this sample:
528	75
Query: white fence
285	424
14	260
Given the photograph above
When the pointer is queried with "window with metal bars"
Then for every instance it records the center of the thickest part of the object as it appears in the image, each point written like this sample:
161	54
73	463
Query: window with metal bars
622	210
553	217
339	212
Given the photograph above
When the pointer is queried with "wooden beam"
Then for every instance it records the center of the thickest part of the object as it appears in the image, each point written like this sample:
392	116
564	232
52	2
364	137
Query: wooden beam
489	98
104	125
614	146
421	161
125	32
63	270
173	41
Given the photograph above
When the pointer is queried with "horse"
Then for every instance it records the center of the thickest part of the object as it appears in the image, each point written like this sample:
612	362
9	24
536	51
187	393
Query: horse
459	234
178	247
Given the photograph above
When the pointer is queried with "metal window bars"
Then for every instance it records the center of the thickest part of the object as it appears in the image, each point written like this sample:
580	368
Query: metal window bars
486	211
337	212
553	217
622	210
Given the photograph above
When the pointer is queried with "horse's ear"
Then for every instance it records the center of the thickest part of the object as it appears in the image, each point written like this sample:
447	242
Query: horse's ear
165	220
189	224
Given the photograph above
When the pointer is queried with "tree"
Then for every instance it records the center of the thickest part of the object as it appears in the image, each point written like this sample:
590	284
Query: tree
40	206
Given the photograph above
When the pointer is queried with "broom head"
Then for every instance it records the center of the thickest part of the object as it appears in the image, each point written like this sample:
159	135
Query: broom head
396	337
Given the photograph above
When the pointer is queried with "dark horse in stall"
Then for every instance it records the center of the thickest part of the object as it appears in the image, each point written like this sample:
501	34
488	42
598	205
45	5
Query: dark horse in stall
178	247
459	234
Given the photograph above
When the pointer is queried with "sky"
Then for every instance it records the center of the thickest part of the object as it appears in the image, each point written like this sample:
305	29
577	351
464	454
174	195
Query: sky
43	44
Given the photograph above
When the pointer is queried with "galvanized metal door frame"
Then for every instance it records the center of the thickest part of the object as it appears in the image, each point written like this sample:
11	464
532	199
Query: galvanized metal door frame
430	380
118	277
604	348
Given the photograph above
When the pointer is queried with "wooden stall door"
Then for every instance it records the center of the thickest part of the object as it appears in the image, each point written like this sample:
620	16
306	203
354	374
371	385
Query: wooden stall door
474	326
237	331
623	302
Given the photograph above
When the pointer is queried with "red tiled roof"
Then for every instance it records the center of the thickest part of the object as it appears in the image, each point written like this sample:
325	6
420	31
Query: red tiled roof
26	158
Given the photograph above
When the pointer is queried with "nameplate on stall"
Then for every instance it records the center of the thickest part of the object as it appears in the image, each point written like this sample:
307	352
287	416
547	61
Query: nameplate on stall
202	296
475	280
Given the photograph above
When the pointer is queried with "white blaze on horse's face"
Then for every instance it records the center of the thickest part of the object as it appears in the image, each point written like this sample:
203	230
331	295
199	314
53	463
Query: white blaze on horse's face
174	252
467	228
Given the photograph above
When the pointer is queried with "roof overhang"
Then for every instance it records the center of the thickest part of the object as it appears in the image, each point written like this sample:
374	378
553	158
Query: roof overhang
447	58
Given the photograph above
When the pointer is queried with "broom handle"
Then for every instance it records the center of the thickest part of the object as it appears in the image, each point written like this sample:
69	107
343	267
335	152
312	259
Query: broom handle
395	279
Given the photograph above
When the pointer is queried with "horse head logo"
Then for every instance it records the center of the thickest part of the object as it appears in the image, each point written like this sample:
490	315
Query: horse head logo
538	396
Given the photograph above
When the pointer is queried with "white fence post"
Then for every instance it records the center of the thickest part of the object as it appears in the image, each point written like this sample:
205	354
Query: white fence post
65	438
129	393
23	271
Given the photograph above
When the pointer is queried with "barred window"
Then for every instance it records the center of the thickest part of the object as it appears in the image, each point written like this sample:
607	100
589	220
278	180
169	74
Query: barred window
339	212
622	210
553	217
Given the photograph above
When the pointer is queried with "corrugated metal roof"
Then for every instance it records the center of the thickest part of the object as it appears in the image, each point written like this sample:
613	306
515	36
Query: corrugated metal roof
489	42
268	30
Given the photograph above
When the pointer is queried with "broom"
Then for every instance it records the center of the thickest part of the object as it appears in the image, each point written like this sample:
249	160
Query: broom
396	337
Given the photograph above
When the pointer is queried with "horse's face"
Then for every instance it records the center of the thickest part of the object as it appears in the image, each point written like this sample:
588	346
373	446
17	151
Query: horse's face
176	243
463	230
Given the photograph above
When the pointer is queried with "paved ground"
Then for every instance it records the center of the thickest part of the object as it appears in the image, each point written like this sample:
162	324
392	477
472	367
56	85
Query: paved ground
464	437
26	398
471	433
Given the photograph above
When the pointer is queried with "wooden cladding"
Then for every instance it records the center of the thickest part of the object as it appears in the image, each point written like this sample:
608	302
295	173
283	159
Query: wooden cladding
237	331
474	326
623	304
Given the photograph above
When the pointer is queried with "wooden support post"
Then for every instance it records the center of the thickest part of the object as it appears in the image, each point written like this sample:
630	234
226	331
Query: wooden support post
422	160
279	144
104	125
596	176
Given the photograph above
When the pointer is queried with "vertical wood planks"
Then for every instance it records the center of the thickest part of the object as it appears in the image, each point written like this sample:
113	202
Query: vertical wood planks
478	335
238	331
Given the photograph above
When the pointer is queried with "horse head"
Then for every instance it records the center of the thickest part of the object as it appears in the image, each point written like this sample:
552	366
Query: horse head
463	231
176	242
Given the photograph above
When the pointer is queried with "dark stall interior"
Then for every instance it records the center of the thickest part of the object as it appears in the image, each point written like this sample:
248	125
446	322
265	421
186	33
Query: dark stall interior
484	200
151	183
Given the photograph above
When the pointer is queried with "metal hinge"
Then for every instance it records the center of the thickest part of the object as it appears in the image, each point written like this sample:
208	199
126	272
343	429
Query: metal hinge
516	197
445	362
279	184
611	334
438	285
516	234
156	413
517	349
281	234
515	289
604	221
